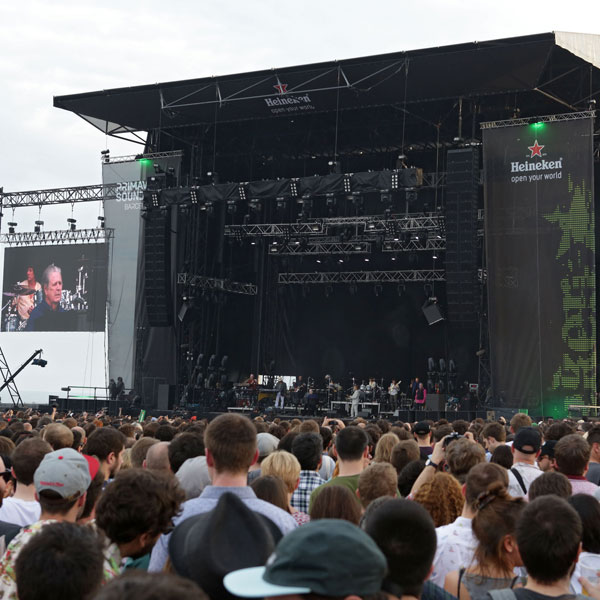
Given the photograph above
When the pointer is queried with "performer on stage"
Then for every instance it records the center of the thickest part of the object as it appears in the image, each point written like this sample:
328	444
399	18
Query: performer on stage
281	388
393	391
355	398
251	382
26	303
42	316
299	390
420	397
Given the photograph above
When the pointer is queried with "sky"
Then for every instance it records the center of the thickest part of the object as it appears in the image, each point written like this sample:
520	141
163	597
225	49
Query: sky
64	47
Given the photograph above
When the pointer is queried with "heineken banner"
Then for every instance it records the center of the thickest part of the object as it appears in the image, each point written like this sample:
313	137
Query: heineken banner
539	208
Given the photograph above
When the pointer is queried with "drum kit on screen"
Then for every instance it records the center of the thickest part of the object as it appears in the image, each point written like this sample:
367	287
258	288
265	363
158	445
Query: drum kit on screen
69	301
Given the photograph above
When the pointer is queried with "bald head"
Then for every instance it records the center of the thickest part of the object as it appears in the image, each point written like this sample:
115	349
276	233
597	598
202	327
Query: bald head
157	457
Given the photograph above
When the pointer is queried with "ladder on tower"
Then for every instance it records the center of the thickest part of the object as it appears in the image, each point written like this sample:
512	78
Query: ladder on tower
9	382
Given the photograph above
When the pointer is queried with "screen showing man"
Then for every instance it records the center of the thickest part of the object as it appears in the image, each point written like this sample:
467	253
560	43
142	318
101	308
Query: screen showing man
27	296
42	317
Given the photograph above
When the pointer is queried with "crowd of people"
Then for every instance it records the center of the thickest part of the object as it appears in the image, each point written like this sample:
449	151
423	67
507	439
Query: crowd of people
94	507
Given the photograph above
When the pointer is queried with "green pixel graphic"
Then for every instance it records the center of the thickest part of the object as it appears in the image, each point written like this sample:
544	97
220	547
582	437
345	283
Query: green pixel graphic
574	382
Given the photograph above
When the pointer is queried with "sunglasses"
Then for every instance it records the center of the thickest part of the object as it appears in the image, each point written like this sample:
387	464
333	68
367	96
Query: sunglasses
6	475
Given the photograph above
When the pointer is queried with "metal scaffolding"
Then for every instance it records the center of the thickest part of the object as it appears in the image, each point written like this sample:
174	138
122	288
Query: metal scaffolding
211	283
362	277
61	236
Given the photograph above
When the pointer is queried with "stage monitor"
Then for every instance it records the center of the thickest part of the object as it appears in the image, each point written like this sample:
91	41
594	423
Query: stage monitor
54	288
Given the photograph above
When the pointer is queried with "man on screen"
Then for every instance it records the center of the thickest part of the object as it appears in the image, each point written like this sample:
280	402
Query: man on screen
42	315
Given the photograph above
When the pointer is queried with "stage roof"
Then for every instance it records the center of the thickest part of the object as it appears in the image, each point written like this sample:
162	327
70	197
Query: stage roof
544	63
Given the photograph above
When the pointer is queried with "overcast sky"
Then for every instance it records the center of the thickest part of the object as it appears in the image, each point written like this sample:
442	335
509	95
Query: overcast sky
65	47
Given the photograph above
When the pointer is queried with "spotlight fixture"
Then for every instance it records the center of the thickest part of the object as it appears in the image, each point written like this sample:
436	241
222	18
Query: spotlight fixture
100	222
435	256
395	180
347	185
38	226
294	188
39	362
11	227
105	156
194	196
72	223
242	192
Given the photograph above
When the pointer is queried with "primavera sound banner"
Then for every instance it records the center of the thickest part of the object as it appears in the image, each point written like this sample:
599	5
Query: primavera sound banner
540	240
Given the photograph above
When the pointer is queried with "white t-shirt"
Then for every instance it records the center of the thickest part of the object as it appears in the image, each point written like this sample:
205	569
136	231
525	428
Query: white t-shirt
20	512
456	545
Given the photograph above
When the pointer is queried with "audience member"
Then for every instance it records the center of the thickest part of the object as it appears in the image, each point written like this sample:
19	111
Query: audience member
378	479
157	458
336	502
526	447
422	433
442	498
545	460
266	443
494	436
308	450
550	482
404	452
58	436
384	448
139	451
593	439
271	489
107	445
408	476
571	455
184	445
588	509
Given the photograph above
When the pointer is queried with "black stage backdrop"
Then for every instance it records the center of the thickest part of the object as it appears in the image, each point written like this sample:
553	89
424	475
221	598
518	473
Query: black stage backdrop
541	263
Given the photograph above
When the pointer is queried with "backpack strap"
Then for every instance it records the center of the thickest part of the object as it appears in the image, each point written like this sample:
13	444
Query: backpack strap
461	572
519	478
505	594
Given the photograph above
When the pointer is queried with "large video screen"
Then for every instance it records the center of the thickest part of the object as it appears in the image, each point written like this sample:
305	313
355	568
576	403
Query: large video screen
54	288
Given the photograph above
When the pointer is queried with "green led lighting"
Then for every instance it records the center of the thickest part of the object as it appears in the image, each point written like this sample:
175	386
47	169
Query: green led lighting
538	126
146	162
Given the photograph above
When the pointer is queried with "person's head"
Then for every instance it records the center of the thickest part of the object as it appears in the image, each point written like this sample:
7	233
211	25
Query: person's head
285	443
549	533
271	489
136	508
494	435
404	452
230	442
409	475
139	451
336	502
422	432
558	430
266	443
63	560
157	457
309	426
588	509
519	420
58	436
503	456
480	478
284	465
442	497
184	446
385	447
379	479
527	445
405	533
208	546
52	285
61	482
545	459
593	439
165	432
26	458
308	449
351	444
572	454
107	444
30	274
494	526
461	456
311	561
150	586
550	482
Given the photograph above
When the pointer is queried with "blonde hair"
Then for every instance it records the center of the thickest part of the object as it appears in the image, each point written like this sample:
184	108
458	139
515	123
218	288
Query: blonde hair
284	465
385	445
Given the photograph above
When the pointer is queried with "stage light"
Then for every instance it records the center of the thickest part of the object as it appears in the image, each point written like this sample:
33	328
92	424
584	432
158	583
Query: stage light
315	227
435	255
231	206
101	223
340	260
38	226
11	227
367	259
293	188
255	205
281	203
194	196
242	192
105	155
72	223
347	185
330	199
39	362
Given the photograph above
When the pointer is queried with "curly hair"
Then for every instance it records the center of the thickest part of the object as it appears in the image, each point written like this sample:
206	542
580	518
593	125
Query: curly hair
138	501
442	497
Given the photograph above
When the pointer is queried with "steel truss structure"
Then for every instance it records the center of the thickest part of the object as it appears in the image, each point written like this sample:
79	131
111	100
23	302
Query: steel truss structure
148	156
370	224
60	236
585	114
69	195
362	245
211	283
362	277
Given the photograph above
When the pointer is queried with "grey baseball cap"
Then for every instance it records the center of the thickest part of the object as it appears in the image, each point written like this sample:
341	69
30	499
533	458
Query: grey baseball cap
65	472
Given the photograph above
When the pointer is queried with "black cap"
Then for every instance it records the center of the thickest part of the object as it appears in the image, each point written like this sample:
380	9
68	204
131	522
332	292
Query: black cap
527	440
548	449
422	428
205	547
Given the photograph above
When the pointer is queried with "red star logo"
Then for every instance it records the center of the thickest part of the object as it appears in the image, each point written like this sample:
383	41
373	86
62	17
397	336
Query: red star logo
536	149
281	87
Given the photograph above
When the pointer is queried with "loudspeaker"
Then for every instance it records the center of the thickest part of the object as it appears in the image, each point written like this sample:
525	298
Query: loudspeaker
432	313
166	396
436	402
157	267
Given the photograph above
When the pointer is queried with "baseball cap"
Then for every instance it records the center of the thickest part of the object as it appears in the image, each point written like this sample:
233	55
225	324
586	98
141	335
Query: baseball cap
205	547
422	428
309	560
527	440
266	443
548	448
65	472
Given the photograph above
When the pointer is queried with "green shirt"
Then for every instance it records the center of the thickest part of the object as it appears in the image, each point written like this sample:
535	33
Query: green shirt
349	481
